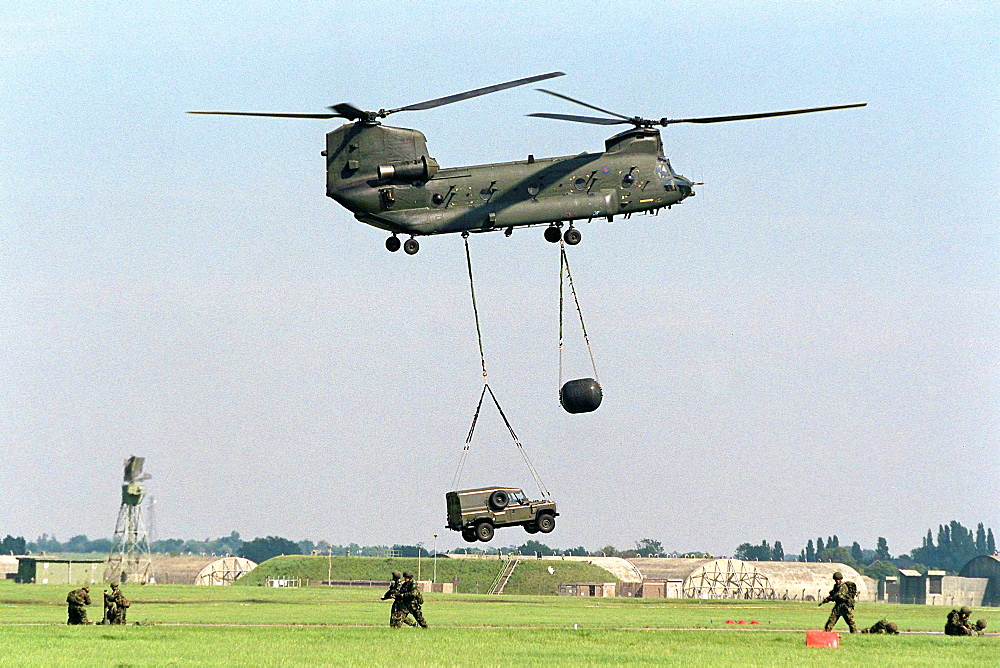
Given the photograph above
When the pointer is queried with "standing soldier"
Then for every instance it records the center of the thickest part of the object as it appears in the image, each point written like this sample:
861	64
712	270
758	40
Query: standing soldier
399	614
412	599
121	604
842	595
110	614
883	626
76	600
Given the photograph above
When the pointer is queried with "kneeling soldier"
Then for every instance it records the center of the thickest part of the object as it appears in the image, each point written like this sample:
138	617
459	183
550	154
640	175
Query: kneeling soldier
76	600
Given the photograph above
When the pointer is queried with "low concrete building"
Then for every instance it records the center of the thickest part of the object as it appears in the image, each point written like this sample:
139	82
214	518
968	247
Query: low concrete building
58	570
597	589
939	588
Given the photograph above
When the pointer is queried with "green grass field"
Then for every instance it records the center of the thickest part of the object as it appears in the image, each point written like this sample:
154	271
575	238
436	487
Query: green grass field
319	625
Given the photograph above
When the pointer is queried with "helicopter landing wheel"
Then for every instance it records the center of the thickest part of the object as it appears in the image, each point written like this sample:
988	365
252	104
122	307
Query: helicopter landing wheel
411	246
392	244
572	236
552	234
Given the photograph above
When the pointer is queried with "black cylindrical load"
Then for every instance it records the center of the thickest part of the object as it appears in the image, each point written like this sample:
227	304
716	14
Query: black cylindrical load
582	395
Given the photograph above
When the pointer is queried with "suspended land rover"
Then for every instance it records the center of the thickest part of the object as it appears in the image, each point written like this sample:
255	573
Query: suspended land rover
477	513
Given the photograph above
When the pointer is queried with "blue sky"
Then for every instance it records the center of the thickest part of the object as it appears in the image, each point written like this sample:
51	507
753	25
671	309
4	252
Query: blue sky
807	347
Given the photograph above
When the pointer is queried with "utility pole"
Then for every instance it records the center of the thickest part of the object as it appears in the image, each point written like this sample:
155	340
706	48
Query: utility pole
329	567
434	579
420	548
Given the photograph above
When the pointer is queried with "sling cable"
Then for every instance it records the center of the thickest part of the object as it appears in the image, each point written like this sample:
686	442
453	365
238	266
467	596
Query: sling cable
582	395
456	481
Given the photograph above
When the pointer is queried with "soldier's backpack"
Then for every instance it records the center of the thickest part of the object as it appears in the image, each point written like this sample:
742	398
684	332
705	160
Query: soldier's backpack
123	602
852	590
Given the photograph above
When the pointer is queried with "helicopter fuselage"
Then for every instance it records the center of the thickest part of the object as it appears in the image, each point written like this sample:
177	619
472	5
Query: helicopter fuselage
385	176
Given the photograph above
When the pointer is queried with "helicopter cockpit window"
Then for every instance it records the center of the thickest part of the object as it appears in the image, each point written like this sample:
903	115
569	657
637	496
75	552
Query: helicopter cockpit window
666	174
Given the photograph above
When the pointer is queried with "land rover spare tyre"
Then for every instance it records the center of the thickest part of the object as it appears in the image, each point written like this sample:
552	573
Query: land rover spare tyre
499	500
582	395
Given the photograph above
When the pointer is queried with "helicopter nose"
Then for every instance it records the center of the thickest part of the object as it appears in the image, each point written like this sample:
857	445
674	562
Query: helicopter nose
685	187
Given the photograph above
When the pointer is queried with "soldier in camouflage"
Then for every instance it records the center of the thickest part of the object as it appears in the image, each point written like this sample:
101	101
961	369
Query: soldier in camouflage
399	615
121	605
110	614
412	599
76	600
842	596
882	626
958	623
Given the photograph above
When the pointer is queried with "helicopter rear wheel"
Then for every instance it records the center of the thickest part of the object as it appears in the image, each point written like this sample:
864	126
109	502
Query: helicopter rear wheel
411	246
392	244
552	234
572	236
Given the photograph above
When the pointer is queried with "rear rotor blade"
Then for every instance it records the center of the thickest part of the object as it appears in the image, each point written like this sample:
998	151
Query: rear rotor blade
262	113
430	104
593	120
584	104
743	117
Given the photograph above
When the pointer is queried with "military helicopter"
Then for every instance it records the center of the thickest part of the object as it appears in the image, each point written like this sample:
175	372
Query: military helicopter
386	178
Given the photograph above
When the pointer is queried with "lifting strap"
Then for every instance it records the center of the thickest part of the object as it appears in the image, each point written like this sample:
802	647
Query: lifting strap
517	442
475	311
486	387
566	276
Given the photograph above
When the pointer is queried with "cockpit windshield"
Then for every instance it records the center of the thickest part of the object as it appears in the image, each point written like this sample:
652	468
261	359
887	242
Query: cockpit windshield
667	174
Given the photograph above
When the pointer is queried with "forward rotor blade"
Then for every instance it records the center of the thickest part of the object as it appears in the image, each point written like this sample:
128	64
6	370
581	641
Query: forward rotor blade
584	104
593	120
262	113
430	104
744	117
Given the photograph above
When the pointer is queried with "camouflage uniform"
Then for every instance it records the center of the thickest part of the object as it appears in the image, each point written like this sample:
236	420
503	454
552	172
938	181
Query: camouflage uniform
399	614
76	600
121	605
958	623
882	626
843	604
412	599
110	613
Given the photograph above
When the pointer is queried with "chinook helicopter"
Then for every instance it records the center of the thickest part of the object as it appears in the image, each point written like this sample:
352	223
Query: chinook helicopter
386	178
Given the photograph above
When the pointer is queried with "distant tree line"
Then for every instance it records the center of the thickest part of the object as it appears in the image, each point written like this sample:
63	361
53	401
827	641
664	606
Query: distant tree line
956	546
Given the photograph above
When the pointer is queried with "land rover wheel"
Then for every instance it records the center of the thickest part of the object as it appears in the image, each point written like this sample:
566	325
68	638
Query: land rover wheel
546	522
499	500
484	531
469	535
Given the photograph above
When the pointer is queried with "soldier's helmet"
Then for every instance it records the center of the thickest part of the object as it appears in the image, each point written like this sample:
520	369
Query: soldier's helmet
408	575
114	585
838	576
396	575
966	610
86	589
981	624
892	627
